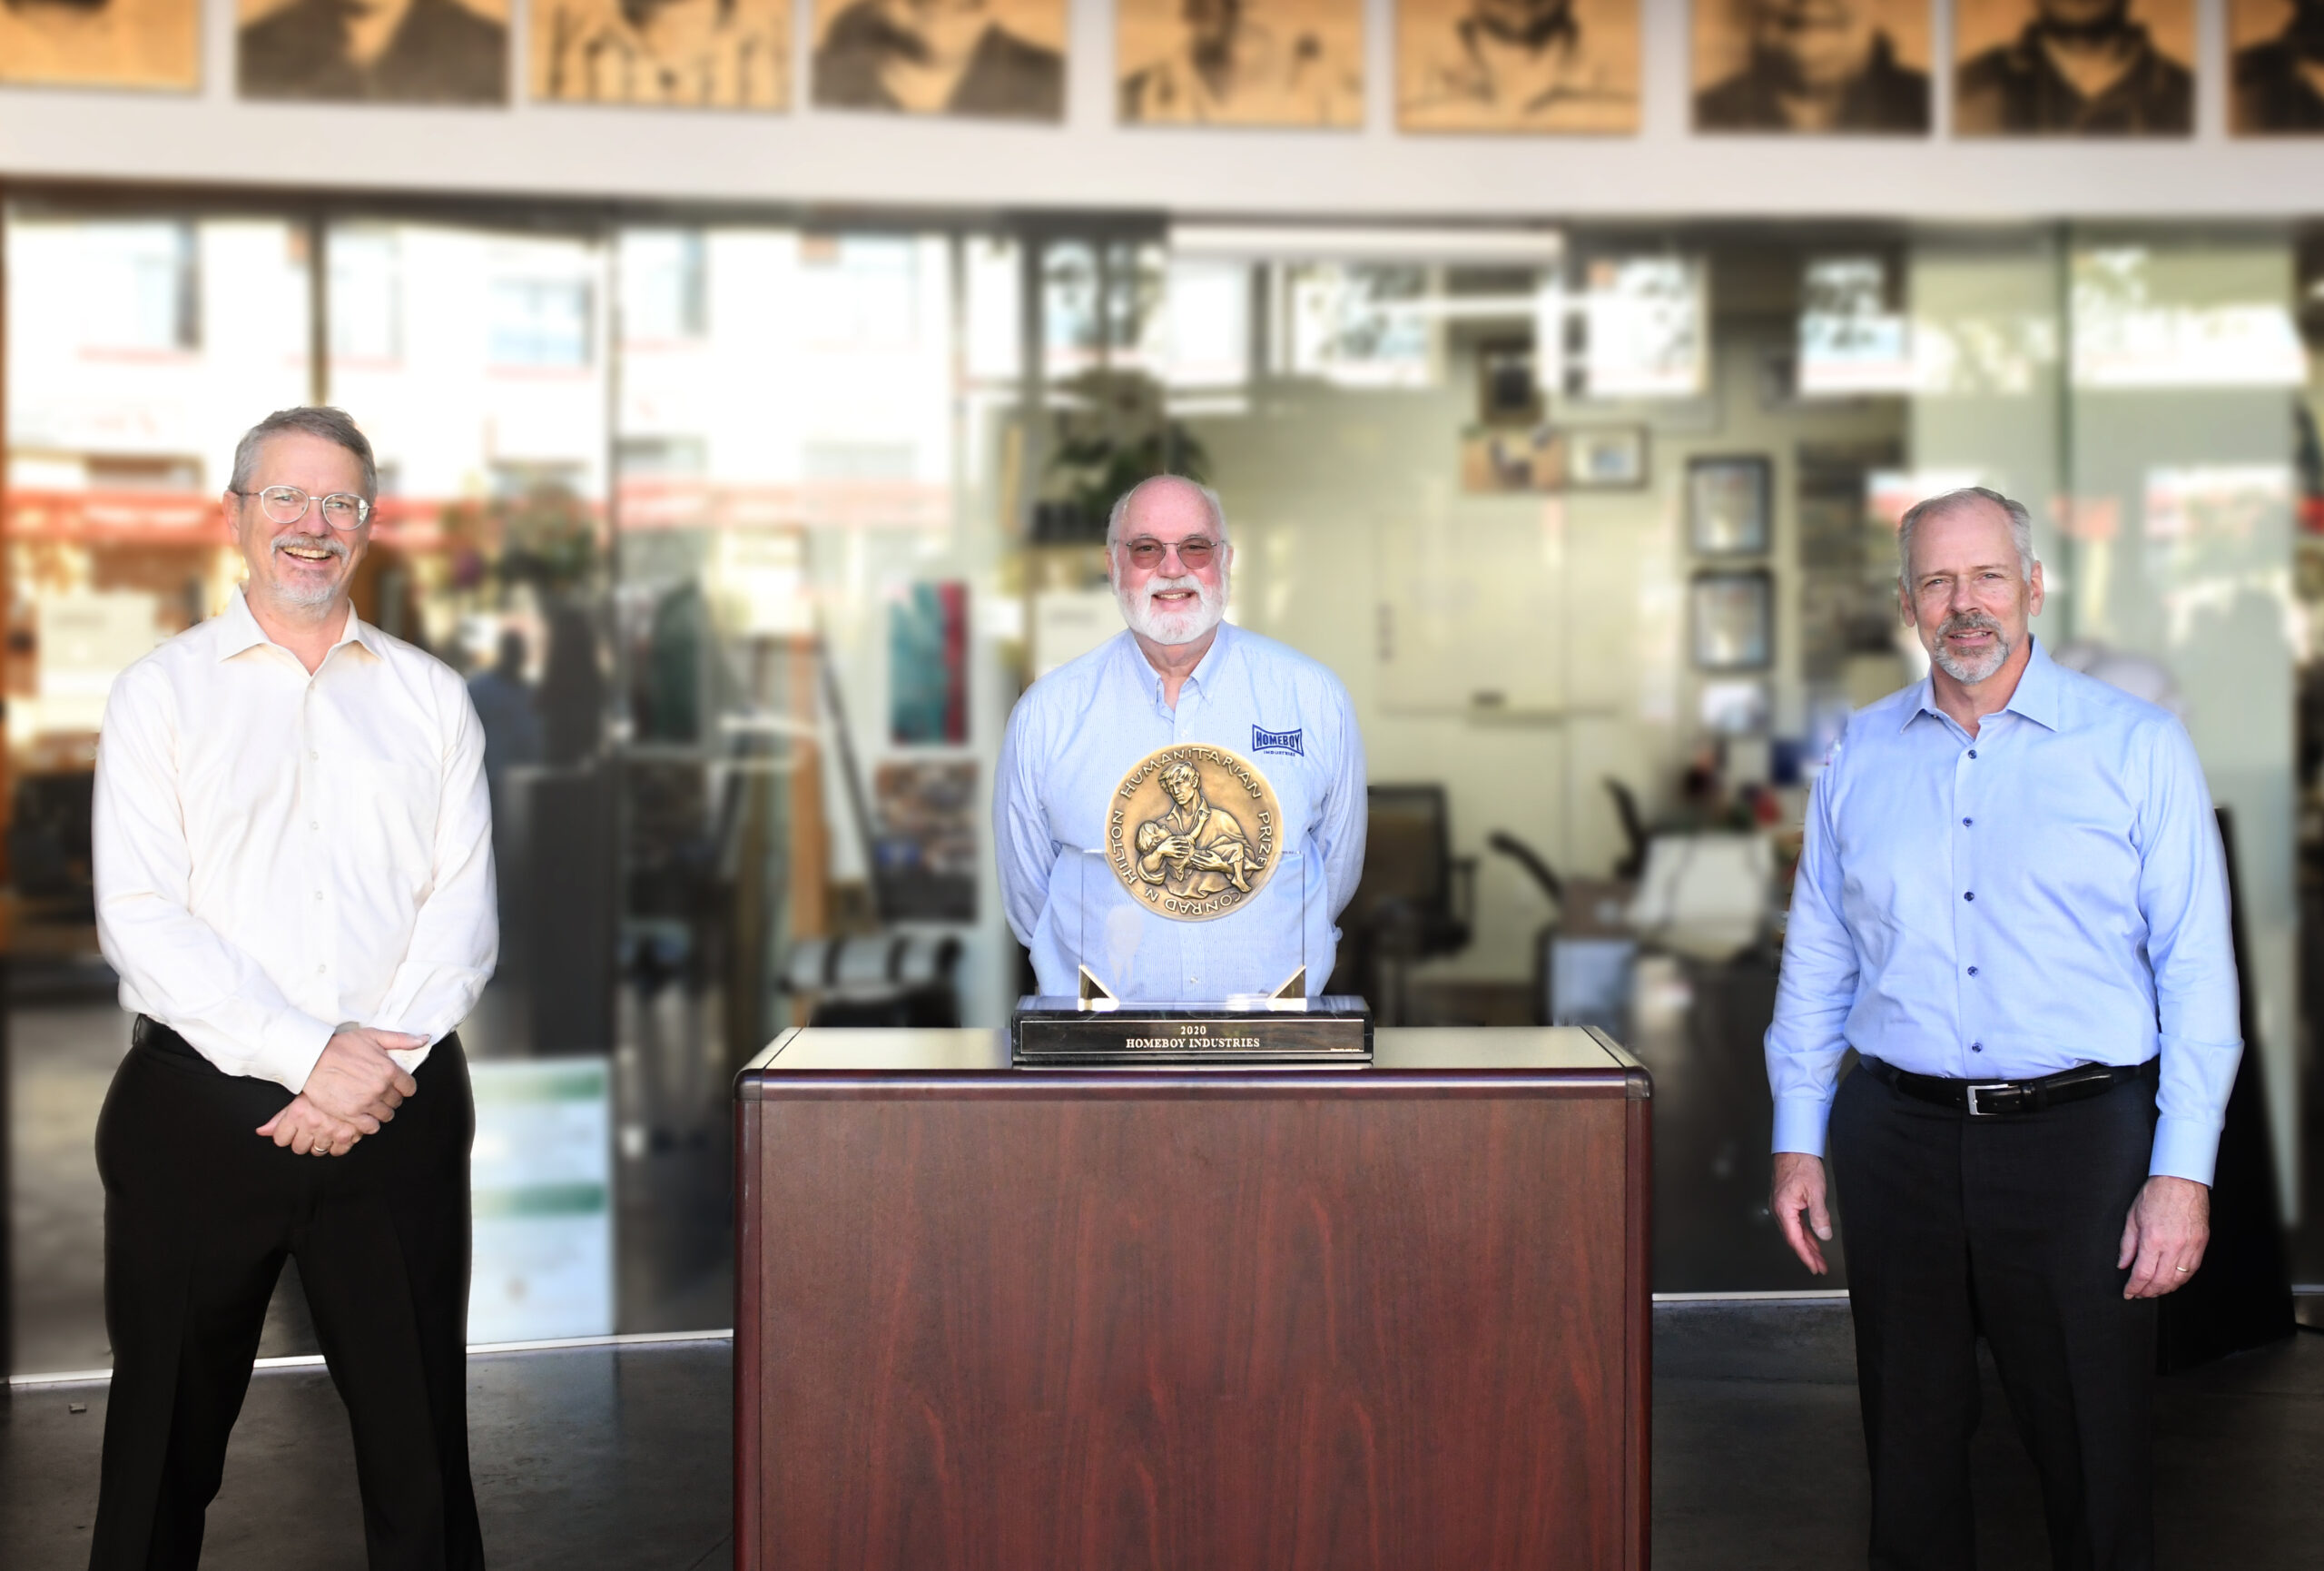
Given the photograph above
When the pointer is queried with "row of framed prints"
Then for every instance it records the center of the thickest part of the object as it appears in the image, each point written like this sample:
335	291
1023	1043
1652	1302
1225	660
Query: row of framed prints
2021	67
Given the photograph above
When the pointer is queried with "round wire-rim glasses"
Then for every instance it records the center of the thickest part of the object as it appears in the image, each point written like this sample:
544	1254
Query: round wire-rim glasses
288	504
1194	551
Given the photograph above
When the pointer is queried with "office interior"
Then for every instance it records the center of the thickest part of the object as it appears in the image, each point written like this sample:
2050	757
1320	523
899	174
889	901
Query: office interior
749	466
747	528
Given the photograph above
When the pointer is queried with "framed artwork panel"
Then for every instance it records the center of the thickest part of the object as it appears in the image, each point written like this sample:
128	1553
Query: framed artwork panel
1851	67
1732	615
1551	67
987	59
154	44
1727	505
674	54
1290	62
2140	80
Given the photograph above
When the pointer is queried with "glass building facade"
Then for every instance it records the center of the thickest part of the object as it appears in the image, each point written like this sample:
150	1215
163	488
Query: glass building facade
748	530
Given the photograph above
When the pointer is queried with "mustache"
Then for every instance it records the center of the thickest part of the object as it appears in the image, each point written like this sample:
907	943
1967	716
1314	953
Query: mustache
1968	622
312	542
1187	581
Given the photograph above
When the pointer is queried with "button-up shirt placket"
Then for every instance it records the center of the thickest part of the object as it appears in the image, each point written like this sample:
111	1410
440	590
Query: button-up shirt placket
314	806
1969	926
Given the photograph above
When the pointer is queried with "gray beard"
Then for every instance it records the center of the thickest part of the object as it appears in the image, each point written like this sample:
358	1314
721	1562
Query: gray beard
1966	673
309	599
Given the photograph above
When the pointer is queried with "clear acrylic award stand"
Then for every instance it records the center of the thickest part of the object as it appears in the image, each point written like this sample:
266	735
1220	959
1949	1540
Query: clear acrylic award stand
1188	957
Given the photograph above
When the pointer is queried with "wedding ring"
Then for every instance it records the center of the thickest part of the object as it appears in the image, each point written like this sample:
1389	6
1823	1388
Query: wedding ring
2182	1270
319	1149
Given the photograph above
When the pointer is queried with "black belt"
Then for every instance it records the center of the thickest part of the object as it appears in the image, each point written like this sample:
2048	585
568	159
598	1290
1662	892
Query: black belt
2001	1098
150	1033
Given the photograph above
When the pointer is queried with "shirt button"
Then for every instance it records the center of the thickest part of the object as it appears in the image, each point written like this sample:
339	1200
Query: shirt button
314	824
312	753
1973	970
1965	823
321	969
1968	895
1976	1047
318	895
1973	751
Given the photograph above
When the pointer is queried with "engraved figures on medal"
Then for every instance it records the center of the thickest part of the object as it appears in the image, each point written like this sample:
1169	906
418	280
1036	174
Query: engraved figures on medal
1191	832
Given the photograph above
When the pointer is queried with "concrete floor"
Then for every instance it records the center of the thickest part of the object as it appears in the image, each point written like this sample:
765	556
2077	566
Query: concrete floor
604	1457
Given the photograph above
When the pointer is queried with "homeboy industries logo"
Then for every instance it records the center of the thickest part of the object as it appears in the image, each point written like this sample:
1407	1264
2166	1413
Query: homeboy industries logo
1276	742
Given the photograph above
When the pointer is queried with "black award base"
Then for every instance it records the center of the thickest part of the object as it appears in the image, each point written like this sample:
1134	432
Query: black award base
1293	1032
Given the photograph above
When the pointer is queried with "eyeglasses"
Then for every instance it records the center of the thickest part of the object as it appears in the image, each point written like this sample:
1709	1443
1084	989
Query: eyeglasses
1193	552
288	504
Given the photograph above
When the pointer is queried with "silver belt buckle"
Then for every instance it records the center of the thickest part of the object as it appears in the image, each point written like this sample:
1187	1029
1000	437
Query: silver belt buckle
1976	1111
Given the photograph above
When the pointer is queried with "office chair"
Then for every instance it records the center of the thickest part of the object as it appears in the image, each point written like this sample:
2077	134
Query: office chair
1416	898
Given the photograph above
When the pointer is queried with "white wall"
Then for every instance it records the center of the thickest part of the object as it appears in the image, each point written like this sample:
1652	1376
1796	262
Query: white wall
824	157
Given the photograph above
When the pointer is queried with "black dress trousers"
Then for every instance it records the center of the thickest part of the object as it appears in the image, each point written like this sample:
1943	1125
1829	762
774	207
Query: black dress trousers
200	1212
2007	1226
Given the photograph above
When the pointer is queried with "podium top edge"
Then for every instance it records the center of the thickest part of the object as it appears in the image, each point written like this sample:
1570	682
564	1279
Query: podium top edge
1472	1057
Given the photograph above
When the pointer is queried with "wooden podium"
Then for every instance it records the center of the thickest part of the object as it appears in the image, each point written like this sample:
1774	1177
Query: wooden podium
998	1321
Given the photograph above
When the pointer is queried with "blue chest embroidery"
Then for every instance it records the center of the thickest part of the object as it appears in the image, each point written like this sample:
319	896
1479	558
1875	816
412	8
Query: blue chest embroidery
1276	742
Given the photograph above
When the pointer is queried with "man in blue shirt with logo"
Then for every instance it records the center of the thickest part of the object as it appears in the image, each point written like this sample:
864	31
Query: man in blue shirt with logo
1180	812
2011	903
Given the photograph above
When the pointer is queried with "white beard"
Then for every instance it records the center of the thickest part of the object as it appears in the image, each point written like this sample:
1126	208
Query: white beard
1170	628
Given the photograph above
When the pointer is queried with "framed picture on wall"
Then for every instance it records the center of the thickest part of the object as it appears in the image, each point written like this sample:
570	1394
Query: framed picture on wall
731	55
1732	614
446	52
143	44
1605	458
1727	503
1497	461
2274	93
1861	68
1253	63
2004	83
1561	67
991	59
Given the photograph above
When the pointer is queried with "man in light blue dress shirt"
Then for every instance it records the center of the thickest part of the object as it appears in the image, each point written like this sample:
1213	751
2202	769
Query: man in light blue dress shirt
2012	904
1255	711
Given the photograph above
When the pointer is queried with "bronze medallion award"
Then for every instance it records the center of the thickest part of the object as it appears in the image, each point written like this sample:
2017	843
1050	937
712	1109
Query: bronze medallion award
1192	831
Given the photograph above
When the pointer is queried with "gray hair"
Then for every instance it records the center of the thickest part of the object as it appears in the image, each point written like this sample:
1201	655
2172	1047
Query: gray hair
1121	505
316	420
2021	527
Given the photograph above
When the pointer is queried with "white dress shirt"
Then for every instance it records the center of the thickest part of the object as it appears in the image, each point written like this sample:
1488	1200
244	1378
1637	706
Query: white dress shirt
278	854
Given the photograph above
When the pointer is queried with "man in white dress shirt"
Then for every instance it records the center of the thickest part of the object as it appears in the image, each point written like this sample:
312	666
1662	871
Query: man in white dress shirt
294	881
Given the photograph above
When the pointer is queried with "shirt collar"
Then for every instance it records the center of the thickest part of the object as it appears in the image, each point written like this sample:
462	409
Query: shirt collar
2037	697
1213	661
237	630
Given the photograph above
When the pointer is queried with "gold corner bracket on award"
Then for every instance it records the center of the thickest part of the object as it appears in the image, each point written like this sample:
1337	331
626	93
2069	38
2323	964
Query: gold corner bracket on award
1192	832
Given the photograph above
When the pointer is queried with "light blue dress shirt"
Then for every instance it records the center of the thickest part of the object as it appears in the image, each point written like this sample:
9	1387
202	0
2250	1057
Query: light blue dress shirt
2048	895
1079	730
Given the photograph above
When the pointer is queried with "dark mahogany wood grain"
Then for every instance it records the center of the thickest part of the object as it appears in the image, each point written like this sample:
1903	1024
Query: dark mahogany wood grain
1330	1323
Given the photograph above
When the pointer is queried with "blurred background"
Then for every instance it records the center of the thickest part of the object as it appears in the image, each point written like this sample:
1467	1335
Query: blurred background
748	450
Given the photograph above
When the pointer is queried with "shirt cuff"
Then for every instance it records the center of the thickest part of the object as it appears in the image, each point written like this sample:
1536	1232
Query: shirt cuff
2185	1148
1799	1123
293	1042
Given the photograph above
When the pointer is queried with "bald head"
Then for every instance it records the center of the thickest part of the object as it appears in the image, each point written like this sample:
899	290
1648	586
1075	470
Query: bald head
1166	499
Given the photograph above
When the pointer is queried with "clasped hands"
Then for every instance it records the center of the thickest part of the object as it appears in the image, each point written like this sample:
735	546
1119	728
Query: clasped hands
353	1089
2164	1237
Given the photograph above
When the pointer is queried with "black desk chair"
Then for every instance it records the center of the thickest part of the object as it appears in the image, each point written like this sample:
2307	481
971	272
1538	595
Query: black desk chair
1414	900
